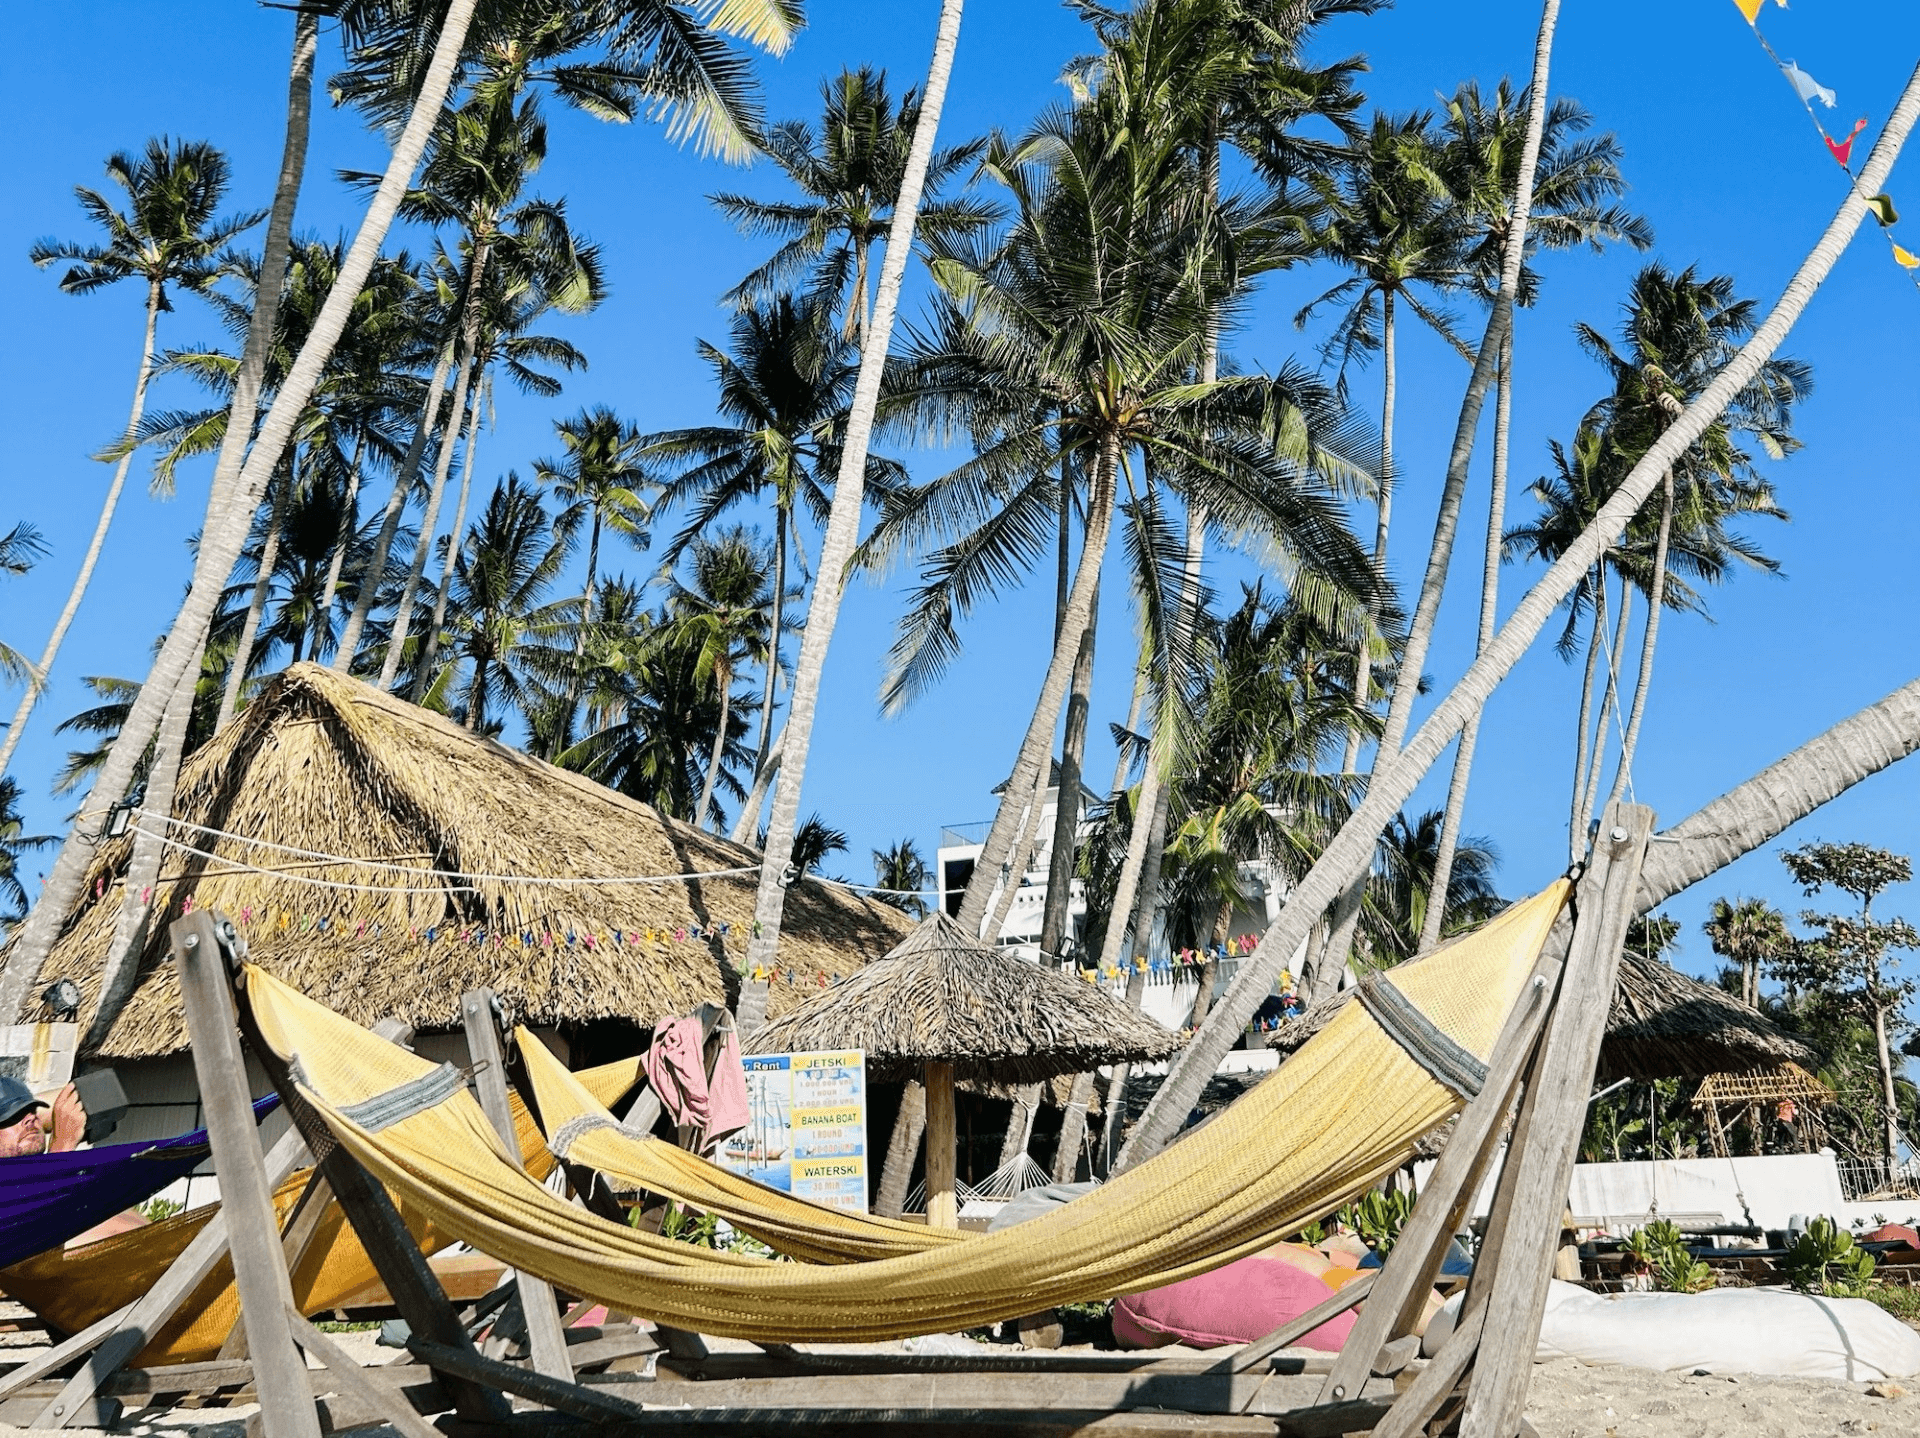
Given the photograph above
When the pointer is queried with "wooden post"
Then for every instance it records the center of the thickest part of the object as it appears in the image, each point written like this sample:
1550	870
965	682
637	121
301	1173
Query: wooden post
941	1209
1540	1161
544	1336
253	1230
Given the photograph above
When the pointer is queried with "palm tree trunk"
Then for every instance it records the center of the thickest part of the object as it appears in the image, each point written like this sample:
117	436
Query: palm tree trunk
443	464
896	1172
431	649
1582	755
1066	806
745	825
1026	1103
1489	607
37	681
396	510
1036	747
775	628
843	520
1351	848
1890	1100
1025	843
477	695
349	526
1073	1129
1609	704
1656	601
580	638
220	546
723	681
1363	654
257	604
121	968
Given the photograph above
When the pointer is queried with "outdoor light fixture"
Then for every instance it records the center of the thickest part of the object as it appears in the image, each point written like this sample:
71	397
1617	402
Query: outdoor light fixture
62	996
118	819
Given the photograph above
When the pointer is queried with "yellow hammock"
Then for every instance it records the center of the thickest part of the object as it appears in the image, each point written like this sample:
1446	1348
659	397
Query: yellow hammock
73	1288
580	1130
1342	1113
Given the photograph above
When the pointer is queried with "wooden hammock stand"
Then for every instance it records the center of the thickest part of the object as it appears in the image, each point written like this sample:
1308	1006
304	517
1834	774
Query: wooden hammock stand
1539	1075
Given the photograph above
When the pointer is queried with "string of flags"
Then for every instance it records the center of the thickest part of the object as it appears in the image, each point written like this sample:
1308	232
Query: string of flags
1811	92
1164	969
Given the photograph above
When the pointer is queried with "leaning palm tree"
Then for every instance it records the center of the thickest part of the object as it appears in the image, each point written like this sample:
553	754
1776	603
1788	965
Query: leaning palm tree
848	173
168	237
785	382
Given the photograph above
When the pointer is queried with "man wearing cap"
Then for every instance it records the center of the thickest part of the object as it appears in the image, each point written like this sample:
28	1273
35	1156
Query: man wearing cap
23	1131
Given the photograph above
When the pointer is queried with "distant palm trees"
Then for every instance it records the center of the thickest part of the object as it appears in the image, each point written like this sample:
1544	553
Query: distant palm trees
1753	935
15	843
20	548
168	237
902	877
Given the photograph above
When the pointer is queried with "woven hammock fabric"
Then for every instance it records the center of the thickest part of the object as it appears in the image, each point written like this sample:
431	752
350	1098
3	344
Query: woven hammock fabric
1341	1114
580	1130
72	1288
47	1198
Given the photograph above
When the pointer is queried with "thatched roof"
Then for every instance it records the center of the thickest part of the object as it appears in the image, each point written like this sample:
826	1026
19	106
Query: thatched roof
1788	1083
324	763
944	997
1663	1024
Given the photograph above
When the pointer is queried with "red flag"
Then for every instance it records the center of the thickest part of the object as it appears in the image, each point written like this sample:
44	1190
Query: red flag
1843	149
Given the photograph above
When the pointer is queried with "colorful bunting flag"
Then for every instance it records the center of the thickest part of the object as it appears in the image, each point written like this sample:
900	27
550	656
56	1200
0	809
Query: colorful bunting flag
1806	87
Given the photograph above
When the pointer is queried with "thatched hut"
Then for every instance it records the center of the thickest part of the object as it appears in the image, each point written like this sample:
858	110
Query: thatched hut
384	860
943	1006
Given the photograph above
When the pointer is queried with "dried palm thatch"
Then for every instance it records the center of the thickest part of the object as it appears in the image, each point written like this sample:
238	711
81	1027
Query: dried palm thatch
324	763
1788	1083
943	997
1662	1024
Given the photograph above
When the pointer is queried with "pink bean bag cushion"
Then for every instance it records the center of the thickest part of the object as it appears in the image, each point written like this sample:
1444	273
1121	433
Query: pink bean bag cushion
1245	1300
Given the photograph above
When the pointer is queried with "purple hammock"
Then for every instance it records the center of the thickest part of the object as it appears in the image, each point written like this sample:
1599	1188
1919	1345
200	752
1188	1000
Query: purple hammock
46	1199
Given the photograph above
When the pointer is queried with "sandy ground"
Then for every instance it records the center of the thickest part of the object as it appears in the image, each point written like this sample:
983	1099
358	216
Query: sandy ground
1568	1400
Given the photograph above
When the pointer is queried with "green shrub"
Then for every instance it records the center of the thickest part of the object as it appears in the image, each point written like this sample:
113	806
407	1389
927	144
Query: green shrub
1661	1250
1826	1260
1378	1218
155	1209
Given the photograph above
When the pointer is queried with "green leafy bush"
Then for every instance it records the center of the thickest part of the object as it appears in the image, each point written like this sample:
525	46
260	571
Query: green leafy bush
1661	1250
1378	1218
155	1209
1826	1260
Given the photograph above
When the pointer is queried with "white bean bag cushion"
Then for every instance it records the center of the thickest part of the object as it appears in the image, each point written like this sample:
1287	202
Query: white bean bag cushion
1771	1331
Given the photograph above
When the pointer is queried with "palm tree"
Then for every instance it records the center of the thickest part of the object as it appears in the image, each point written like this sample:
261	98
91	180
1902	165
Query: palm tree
1401	887
1405	239
848	173
653	718
784	387
901	875
20	547
15	842
169	236
843	521
720	610
604	481
500	619
1753	934
1576	182
1679	332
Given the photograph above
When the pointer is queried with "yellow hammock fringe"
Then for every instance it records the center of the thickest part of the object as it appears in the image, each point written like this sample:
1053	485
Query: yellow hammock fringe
75	1287
1340	1114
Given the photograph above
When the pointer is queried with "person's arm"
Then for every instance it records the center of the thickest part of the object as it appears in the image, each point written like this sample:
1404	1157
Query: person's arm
69	1121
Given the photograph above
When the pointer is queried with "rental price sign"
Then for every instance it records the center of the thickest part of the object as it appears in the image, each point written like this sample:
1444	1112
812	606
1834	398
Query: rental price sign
808	1131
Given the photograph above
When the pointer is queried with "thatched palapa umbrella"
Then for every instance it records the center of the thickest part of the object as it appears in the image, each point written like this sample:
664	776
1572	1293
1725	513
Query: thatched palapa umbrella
943	1006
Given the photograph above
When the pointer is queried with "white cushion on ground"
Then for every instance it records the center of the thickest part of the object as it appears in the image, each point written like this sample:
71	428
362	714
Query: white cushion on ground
1769	1331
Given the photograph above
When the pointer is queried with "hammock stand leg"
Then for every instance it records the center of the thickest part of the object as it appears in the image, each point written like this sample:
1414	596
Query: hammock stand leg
545	1339
246	1198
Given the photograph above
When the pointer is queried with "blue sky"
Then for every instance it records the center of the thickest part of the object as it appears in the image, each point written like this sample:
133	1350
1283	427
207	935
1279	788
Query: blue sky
1722	160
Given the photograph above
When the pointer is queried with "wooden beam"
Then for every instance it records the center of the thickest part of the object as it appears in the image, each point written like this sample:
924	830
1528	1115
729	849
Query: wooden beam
1407	1278
1517	1296
352	1383
85	1341
574	1399
910	1423
545	1339
413	1287
1292	1331
942	1211
246	1198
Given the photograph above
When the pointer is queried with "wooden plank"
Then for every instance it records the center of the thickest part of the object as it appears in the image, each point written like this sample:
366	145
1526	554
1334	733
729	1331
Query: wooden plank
85	1341
544	1337
573	1399
1295	1329
1435	1383
758	1365
411	1284
342	1370
1517	1297
199	943
892	1423
1410	1269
